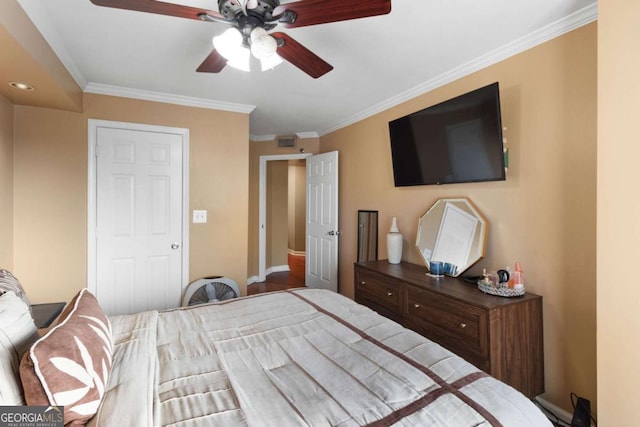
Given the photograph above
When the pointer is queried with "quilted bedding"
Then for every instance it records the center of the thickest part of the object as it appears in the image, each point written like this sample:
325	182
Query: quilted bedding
295	358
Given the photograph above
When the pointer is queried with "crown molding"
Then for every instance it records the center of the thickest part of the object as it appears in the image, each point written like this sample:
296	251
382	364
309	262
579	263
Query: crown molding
262	138
577	19
304	135
167	98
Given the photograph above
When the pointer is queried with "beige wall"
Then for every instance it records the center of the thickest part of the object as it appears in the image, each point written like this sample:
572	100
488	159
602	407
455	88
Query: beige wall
256	150
50	190
543	215
618	212
6	184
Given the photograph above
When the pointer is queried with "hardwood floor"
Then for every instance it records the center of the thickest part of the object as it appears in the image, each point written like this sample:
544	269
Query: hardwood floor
294	278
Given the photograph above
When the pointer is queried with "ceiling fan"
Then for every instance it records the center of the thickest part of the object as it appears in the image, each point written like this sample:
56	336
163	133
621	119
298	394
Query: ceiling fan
250	21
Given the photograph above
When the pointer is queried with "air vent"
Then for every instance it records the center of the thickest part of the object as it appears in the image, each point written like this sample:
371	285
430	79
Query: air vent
286	141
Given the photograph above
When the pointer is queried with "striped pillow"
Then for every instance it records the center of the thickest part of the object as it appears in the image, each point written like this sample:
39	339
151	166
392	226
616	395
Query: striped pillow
17	333
8	282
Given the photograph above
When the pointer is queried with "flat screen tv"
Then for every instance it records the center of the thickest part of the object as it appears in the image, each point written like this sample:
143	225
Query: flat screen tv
459	140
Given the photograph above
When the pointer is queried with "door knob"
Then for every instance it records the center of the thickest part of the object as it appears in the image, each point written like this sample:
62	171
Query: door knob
175	246
334	233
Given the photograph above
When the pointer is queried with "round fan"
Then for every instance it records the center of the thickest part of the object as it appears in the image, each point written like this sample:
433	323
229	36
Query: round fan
252	19
209	289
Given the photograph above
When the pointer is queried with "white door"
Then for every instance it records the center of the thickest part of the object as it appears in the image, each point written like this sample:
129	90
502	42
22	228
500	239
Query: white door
139	220
322	221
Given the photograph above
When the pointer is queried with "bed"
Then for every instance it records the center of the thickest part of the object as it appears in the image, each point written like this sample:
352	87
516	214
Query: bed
293	358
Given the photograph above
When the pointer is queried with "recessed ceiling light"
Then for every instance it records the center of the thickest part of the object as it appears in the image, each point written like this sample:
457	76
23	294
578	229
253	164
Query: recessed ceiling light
21	86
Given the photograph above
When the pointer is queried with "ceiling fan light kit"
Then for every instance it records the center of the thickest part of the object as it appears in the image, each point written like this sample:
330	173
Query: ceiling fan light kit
227	42
241	59
270	62
262	44
233	47
230	45
250	22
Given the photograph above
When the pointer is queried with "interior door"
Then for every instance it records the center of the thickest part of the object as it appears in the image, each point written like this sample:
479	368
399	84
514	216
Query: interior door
139	230
322	221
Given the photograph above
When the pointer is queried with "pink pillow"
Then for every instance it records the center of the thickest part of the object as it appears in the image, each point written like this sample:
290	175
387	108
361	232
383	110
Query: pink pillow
70	365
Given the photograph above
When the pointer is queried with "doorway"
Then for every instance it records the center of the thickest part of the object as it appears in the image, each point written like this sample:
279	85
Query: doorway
321	225
264	196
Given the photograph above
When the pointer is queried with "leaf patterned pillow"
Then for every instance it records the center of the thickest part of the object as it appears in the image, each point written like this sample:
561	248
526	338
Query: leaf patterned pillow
70	365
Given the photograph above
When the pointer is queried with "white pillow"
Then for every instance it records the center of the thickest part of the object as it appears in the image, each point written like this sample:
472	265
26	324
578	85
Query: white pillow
17	333
9	282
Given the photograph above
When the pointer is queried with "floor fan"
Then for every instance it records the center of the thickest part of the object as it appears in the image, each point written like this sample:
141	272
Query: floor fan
210	289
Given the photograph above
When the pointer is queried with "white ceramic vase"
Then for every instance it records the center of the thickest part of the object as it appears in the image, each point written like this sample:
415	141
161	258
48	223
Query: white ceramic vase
394	243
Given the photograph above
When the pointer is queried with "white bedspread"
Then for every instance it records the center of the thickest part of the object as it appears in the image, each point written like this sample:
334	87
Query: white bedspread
297	358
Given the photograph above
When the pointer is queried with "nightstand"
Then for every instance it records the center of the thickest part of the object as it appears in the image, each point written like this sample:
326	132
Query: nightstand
45	314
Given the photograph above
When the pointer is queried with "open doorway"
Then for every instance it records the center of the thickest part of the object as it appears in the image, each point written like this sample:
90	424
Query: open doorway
321	226
285	222
282	208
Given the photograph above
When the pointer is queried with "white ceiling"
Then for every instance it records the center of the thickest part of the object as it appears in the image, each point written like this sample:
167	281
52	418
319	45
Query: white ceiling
378	62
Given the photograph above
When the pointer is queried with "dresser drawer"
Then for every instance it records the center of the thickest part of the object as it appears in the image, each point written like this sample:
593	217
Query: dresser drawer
389	314
456	325
380	290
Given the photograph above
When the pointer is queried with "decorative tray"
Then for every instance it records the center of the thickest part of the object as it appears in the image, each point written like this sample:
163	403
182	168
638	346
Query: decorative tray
502	290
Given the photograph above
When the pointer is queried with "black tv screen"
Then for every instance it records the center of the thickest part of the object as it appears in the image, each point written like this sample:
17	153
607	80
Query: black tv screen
459	140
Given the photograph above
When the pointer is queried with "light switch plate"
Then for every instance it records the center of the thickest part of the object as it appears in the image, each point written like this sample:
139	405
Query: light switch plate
199	217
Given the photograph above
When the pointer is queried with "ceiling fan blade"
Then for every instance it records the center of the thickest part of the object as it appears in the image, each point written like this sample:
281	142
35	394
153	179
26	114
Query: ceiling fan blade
160	8
312	12
214	63
301	57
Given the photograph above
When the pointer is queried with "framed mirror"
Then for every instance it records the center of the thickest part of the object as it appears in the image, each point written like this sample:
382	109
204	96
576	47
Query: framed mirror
452	236
367	235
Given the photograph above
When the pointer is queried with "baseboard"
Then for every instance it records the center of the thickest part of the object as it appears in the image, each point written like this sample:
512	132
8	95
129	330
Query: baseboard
268	271
277	269
557	411
296	253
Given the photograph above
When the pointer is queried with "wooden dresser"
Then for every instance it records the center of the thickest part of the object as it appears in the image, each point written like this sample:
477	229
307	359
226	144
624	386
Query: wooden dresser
501	336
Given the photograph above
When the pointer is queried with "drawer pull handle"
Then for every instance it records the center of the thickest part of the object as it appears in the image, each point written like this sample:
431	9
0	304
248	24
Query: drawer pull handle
389	294
363	283
416	305
463	325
